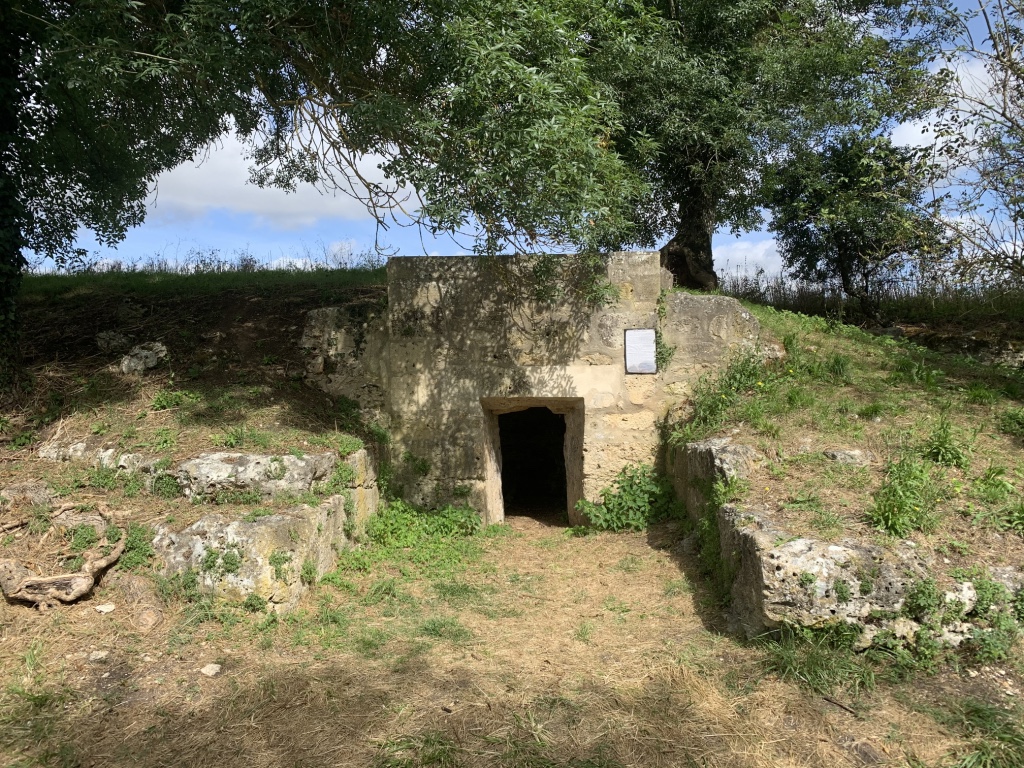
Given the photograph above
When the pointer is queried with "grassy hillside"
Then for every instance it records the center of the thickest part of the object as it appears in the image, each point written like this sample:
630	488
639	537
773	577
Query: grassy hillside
441	644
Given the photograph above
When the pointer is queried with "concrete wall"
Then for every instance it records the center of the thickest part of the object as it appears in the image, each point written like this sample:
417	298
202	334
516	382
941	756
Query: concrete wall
464	339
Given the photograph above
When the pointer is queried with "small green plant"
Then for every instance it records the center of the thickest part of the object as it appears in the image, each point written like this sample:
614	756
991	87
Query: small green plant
253	603
993	487
230	561
629	564
445	628
307	574
244	496
584	632
418	465
172	398
82	537
676	587
165	439
166	486
979	394
715	396
256	514
1011	422
103	478
822	659
841	589
924	602
100	428
807	580
906	500
944	447
279	560
637	498
138	547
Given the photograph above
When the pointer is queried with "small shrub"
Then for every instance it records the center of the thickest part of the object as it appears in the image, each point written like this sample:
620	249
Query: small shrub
103	478
230	561
166	486
906	500
807	580
253	603
256	514
165	439
842	591
637	498
82	538
924	601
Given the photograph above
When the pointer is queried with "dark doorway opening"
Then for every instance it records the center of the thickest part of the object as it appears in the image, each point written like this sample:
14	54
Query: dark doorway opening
533	479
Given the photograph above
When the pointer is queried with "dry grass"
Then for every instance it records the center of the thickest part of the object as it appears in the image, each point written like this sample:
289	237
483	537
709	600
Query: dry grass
656	684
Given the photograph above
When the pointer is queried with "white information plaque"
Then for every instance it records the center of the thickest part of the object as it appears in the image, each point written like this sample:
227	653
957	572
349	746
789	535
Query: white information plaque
641	351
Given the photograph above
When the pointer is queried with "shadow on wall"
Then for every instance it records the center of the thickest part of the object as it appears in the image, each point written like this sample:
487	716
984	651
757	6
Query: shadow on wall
470	339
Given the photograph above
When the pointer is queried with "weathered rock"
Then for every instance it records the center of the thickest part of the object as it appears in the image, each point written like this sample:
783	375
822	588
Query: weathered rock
212	472
365	494
57	451
775	578
143	357
72	516
265	557
112	341
27	494
784	580
699	465
856	457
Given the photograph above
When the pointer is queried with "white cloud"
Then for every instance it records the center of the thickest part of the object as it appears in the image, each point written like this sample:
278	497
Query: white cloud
218	180
747	256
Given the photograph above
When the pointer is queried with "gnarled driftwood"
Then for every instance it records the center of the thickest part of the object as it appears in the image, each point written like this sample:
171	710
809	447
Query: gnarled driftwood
18	583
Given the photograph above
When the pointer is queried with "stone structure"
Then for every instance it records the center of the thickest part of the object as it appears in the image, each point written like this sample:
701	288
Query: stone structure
464	341
773	578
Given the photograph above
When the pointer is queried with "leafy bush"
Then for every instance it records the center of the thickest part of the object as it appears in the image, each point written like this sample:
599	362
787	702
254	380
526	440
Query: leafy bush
637	498
253	603
402	525
906	500
166	486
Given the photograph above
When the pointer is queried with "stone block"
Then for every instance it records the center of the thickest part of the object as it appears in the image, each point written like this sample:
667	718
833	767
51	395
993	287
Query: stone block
211	472
265	557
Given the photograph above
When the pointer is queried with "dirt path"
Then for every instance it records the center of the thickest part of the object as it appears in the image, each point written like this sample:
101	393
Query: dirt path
548	650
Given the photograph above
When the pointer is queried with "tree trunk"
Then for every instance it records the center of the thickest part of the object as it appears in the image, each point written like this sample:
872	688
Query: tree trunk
688	255
12	212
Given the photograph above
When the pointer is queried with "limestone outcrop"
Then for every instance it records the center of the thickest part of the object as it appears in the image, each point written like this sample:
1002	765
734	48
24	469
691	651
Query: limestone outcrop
274	557
210	473
774	578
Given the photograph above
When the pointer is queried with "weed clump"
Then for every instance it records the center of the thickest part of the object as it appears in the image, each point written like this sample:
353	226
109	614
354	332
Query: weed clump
906	501
637	498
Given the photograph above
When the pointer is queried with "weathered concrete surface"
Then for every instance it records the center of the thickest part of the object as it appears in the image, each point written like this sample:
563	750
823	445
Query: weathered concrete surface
776	578
265	557
209	473
464	339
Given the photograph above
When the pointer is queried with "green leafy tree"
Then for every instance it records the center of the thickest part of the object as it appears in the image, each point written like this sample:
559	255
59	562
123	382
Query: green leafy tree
487	110
854	212
726	86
